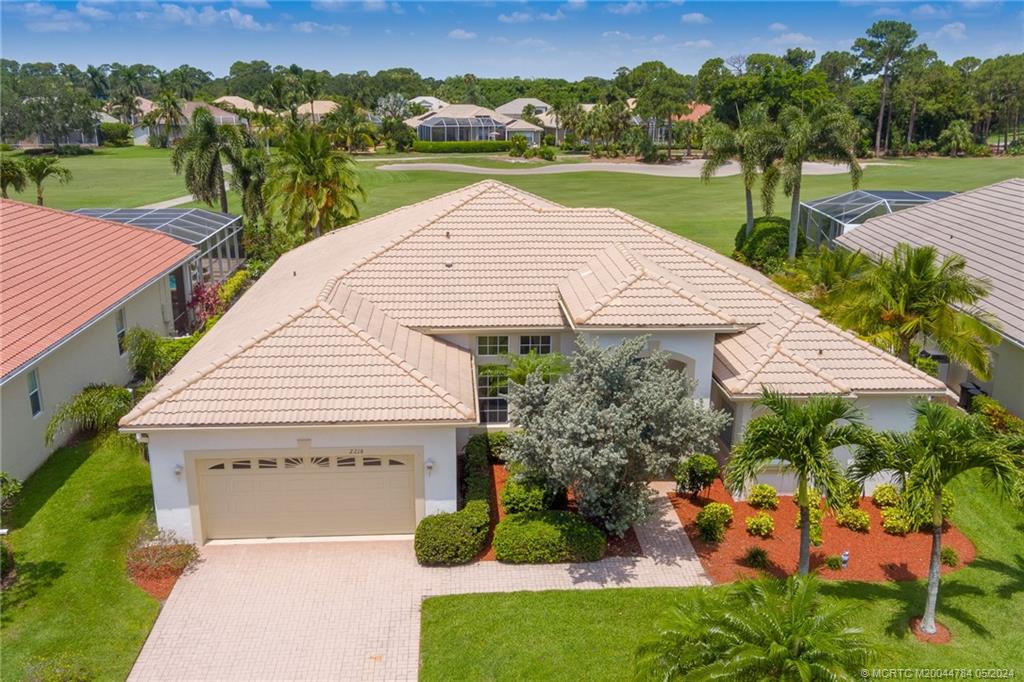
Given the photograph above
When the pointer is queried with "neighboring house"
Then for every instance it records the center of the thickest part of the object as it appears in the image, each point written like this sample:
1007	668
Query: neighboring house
514	109
70	288
141	132
554	125
331	399
658	131
429	103
470	123
823	220
241	104
986	227
318	108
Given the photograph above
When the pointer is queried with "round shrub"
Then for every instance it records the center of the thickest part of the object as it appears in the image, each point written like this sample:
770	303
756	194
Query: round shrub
834	562
896	521
756	557
525	496
547	537
763	496
949	557
448	539
760	525
712	521
854	519
846	494
768	242
885	496
695	473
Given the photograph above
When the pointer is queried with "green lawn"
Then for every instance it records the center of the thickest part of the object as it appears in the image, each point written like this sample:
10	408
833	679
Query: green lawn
118	177
591	635
77	517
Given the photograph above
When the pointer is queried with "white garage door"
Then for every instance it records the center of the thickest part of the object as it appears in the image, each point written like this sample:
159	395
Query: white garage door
267	496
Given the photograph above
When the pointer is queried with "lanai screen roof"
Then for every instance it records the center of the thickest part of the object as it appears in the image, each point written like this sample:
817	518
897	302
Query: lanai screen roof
189	225
853	208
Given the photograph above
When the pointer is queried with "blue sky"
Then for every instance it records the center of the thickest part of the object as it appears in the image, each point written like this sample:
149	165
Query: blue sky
567	39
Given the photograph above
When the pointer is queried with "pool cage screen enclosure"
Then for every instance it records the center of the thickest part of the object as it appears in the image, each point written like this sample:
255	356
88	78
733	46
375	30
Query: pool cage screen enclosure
822	220
469	129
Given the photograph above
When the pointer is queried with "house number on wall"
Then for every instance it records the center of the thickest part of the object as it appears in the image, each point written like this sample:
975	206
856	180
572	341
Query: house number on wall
355	451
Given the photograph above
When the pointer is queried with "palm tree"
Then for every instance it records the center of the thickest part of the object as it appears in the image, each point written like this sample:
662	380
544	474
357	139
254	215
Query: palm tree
349	126
944	444
312	184
764	629
248	178
803	436
912	295
757	144
124	105
518	368
12	174
567	117
311	89
957	137
201	154
96	76
39	168
826	134
167	111
827	271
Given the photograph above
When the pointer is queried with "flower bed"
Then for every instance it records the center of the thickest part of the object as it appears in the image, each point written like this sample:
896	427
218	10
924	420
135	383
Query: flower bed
157	566
874	555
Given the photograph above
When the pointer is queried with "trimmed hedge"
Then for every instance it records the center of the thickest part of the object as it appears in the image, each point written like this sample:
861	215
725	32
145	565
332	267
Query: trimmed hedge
763	496
233	287
526	496
854	519
461	147
452	538
712	521
885	496
768	243
760	525
896	521
547	537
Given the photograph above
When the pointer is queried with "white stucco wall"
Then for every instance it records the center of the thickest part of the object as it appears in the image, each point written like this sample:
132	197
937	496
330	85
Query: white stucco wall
1007	384
177	509
88	358
695	348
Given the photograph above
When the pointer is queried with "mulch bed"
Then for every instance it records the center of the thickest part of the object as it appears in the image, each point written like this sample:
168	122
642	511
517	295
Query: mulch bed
158	588
874	556
156	568
941	636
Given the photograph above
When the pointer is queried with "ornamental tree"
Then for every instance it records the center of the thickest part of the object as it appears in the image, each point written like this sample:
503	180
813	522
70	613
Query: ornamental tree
619	419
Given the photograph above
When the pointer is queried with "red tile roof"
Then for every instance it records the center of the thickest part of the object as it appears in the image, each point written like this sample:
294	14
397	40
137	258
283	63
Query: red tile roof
697	112
60	271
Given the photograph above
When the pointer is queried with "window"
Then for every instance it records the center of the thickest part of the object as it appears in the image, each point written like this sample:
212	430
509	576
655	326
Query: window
539	344
491	345
122	328
492	393
35	398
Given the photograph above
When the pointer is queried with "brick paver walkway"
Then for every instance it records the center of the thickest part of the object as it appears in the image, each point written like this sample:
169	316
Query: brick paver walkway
350	610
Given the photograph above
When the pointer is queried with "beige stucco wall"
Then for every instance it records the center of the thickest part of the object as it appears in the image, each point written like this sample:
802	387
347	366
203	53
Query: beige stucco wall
90	357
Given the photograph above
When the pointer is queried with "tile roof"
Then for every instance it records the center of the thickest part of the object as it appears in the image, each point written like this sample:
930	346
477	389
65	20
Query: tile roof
61	271
985	226
618	289
515	107
697	112
520	124
459	111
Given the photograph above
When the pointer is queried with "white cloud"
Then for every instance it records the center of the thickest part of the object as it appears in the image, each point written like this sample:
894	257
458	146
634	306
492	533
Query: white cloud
515	18
930	12
777	27
631	7
791	39
702	44
887	12
253	4
695	18
660	38
576	4
246	22
92	12
535	43
208	16
375	5
314	27
955	31
558	15
461	34
622	35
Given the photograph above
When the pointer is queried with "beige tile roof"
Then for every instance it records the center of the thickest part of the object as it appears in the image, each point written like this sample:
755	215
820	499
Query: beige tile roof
985	226
516	106
520	124
459	111
618	289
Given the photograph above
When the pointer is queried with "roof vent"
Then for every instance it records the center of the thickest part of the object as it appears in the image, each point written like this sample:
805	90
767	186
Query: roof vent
294	274
448	264
447	234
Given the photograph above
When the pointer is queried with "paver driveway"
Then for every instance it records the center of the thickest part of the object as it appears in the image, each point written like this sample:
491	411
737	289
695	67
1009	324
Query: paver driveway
351	610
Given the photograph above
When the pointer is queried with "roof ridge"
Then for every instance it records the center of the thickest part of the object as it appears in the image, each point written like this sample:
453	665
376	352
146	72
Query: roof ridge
157	397
610	295
673	283
526	198
402	363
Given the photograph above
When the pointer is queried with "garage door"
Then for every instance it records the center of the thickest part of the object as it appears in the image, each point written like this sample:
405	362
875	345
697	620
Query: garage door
267	496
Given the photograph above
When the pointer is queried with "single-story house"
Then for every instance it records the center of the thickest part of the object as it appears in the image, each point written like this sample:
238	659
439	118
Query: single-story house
141	132
318	108
986	227
514	109
471	123
70	288
233	102
555	126
823	220
86	137
428	102
331	399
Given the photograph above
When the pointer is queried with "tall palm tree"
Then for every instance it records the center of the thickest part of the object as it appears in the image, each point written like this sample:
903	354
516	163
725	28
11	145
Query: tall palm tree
124	105
12	174
313	185
956	137
567	117
99	85
349	126
756	144
912	295
828	133
803	436
201	154
311	88
944	444
168	111
248	178
764	629
39	168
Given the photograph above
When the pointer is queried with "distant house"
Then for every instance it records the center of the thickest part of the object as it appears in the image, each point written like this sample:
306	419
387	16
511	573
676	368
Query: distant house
429	103
232	102
70	288
141	131
986	227
514	109
87	137
658	131
318	108
471	123
555	126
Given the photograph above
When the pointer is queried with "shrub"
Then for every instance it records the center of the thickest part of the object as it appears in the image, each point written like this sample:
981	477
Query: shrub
60	150
854	519
921	510
834	562
949	557
846	494
518	146
526	496
150	356
6	561
896	521
763	496
756	557
159	140
928	365
233	287
817	515
461	147
116	134
998	417
98	407
885	496
547	537
205	301
549	140
60	668
769	240
547	153
695	473
712	521
490	445
161	557
10	488
761	525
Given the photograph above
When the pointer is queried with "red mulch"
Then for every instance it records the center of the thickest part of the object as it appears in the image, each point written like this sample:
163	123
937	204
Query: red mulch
942	634
158	588
874	556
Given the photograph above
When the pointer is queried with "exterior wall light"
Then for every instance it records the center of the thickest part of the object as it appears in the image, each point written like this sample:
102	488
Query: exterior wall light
177	471
429	465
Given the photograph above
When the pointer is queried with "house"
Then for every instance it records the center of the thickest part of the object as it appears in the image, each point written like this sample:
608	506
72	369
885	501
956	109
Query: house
318	108
429	103
241	104
658	131
823	220
142	131
70	288
986	227
86	137
514	109
471	123
332	397
553	125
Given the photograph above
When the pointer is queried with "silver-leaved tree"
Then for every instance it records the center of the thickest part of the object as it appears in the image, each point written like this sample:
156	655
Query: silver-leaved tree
619	419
